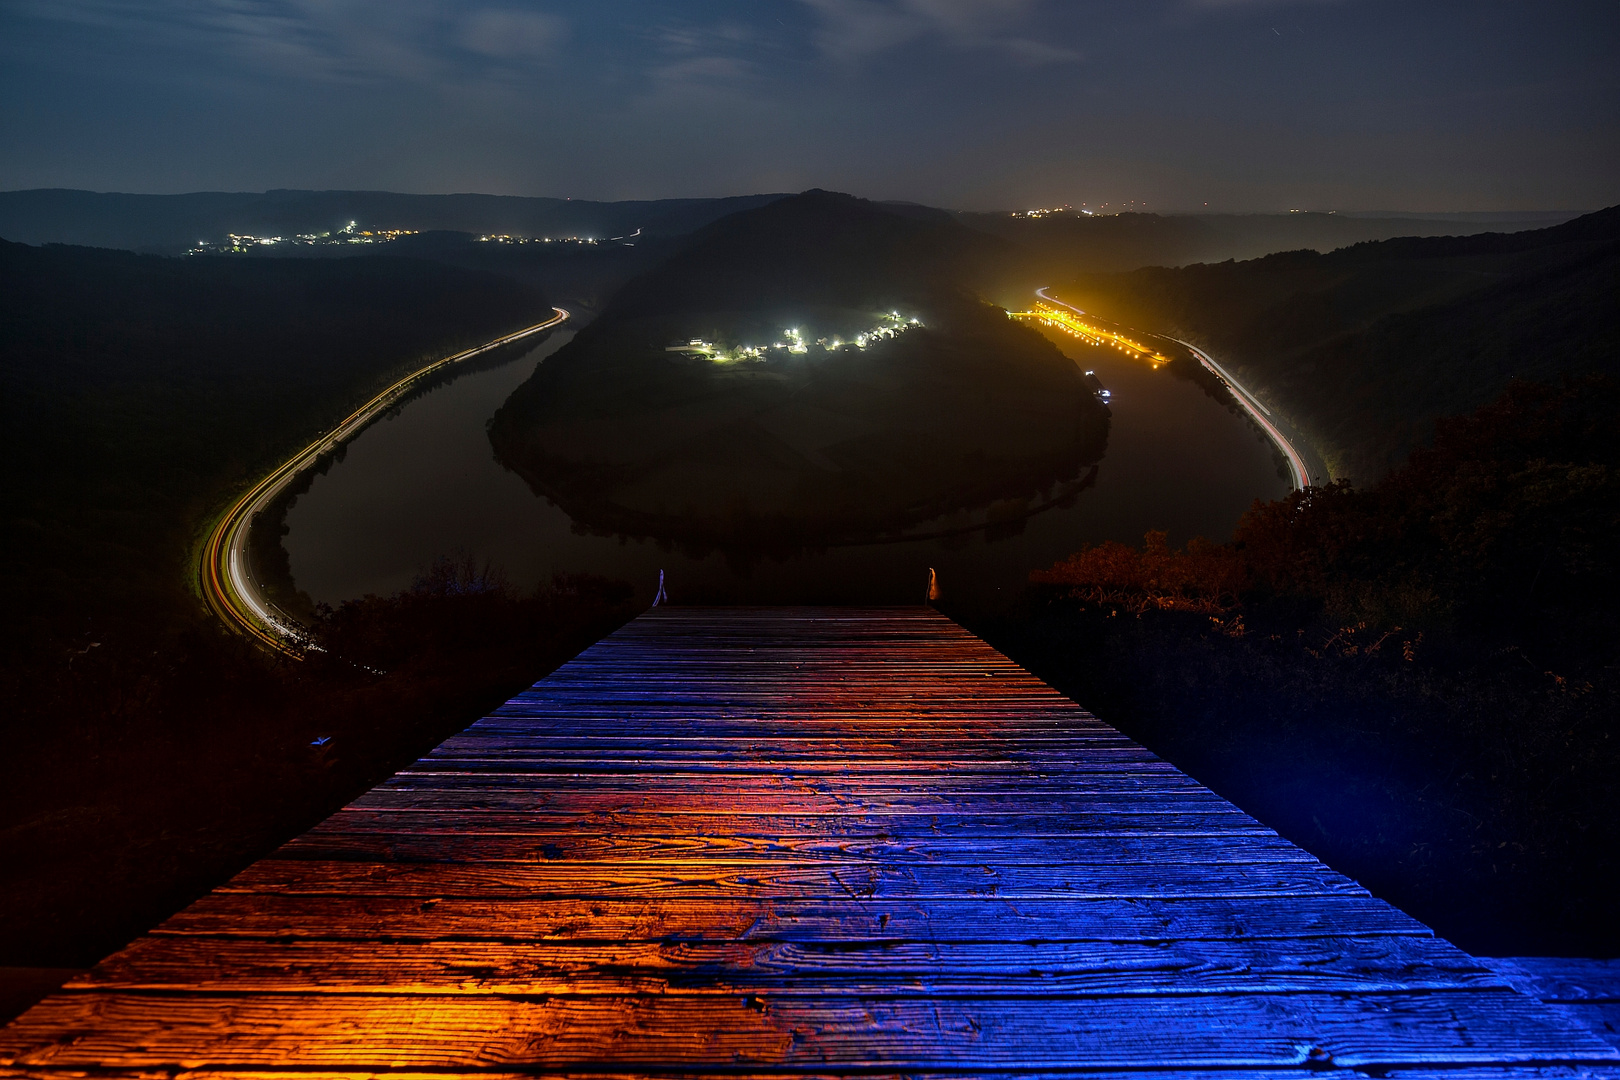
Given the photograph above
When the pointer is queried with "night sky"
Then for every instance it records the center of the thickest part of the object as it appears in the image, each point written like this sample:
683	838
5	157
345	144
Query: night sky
1157	104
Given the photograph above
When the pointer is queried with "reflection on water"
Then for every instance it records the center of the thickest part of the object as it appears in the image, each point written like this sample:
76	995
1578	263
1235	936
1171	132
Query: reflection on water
425	482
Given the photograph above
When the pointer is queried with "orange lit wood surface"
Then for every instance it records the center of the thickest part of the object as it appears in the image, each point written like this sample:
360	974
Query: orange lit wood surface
809	842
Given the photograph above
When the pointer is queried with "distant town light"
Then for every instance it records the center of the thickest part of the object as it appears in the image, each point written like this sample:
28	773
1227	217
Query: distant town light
891	325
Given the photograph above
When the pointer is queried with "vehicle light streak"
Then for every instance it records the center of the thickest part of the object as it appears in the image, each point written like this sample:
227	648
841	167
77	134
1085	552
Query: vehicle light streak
1299	475
223	576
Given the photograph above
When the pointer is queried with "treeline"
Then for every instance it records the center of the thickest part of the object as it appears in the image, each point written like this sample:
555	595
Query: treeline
149	753
1416	681
1364	347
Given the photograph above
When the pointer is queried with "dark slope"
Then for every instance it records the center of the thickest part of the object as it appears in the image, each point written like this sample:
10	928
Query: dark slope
811	447
136	390
113	219
1365	347
150	754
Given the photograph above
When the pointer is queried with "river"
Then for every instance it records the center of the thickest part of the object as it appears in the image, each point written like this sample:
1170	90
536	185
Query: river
424	482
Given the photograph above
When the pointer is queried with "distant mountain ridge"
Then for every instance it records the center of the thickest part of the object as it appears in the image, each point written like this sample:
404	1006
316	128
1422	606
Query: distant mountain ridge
1062	243
175	222
1070	243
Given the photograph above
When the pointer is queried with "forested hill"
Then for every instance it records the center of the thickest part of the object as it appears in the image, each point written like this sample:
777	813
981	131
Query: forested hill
1364	347
812	371
137	392
820	247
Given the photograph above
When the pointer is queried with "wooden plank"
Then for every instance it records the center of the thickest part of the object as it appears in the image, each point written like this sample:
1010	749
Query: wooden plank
840	919
746	785
875	761
1450	1072
624	847
1562	978
871	968
851	824
704	878
121	1030
969	745
788	800
1085	774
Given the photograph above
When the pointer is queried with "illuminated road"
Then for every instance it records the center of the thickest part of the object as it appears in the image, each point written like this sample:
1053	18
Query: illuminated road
223	572
1299	473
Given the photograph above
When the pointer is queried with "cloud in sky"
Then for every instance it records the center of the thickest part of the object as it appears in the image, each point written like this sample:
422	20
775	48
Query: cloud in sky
1243	103
1245	5
418	40
854	29
512	34
343	40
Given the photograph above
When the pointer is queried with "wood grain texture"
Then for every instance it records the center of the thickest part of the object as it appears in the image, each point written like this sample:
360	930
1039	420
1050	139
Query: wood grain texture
120	1029
891	849
875	967
839	920
1451	1072
806	842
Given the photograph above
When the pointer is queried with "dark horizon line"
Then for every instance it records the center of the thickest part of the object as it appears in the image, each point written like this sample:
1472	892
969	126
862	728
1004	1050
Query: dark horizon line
1456	215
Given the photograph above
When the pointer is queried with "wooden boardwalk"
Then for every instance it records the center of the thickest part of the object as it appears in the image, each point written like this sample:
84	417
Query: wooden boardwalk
793	841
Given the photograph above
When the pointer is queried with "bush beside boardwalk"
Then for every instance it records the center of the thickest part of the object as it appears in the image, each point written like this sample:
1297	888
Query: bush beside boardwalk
1417	682
166	773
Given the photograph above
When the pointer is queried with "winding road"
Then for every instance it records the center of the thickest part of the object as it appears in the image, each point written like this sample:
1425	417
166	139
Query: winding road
1300	474
224	572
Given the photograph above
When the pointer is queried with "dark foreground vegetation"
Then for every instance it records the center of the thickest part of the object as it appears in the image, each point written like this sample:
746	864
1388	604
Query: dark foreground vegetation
1363	347
149	754
1419	682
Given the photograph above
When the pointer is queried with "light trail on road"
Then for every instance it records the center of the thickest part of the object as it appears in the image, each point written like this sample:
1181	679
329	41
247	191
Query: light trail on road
1251	404
1299	475
223	571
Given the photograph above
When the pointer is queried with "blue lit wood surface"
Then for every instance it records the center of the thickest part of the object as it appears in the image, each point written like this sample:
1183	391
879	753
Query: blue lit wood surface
759	842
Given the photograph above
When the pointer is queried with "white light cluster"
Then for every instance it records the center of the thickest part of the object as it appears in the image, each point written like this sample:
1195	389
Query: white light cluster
511	238
891	325
349	234
504	238
1045	211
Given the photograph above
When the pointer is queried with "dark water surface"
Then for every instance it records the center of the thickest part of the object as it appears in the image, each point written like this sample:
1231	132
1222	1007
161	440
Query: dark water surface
425	483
